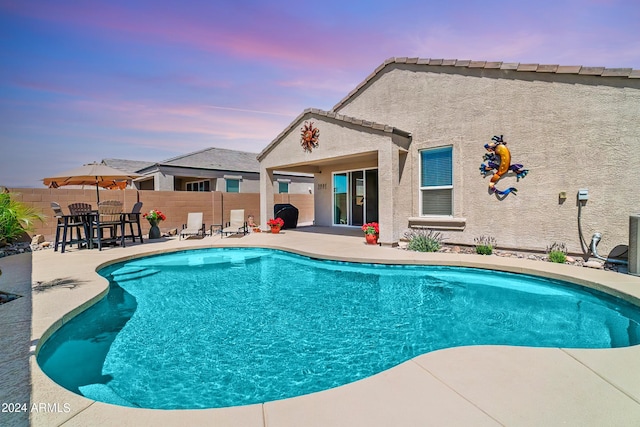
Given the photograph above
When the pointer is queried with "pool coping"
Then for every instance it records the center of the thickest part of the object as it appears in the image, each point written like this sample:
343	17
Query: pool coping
475	385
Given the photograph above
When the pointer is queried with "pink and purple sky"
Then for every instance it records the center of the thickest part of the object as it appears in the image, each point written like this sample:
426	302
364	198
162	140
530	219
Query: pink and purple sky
148	80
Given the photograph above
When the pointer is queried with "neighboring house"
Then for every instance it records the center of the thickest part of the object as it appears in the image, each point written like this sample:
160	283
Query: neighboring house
404	149
211	169
129	166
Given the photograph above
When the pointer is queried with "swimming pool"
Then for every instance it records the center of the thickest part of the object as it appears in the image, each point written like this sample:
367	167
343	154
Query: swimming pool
226	327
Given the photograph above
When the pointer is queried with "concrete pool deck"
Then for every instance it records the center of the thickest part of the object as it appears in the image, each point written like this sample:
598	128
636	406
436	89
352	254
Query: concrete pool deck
479	385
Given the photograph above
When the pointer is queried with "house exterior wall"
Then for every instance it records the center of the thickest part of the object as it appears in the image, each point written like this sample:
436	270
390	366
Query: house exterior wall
250	185
221	185
163	182
146	184
342	146
181	183
297	185
249	182
569	131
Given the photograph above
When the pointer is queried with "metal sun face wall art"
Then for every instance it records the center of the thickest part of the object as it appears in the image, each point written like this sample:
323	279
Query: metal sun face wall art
309	137
498	158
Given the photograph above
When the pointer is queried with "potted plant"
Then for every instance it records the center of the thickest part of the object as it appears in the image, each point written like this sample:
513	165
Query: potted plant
154	217
275	224
371	232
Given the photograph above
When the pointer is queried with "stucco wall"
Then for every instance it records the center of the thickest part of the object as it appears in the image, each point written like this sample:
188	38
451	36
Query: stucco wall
163	182
337	140
297	187
570	131
342	146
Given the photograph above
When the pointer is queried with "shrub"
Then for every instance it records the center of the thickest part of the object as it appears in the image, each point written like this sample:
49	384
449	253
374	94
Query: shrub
484	245
422	240
16	218
557	252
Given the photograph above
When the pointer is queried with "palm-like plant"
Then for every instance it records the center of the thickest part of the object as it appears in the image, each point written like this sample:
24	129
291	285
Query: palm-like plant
16	218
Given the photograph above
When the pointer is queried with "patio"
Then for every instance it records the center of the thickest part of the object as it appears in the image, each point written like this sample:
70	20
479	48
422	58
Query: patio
482	385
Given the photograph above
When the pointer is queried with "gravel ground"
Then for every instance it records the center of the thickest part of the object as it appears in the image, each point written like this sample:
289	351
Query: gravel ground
536	256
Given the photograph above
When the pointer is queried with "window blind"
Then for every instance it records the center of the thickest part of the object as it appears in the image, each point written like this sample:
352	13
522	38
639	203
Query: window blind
233	186
437	166
436	202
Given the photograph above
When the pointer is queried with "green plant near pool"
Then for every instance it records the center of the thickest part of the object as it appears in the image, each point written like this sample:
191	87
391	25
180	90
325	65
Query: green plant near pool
485	244
422	240
557	253
16	218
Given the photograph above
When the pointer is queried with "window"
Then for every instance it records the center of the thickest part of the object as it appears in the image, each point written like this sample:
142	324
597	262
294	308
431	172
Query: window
198	186
233	185
436	181
283	187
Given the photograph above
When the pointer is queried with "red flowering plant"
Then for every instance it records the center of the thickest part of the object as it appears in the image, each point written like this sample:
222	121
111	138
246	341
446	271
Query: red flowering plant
371	228
278	222
154	216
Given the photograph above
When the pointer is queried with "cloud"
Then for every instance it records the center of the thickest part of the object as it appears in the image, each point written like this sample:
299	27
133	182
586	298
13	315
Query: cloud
266	34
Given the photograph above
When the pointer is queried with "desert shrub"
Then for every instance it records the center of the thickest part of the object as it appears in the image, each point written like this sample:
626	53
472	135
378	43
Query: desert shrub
424	240
557	252
485	245
15	218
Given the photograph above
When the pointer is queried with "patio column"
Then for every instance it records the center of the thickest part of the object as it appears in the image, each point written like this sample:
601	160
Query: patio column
266	196
388	173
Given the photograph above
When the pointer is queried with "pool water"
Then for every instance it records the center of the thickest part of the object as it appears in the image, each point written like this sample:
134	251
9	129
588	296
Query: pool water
226	327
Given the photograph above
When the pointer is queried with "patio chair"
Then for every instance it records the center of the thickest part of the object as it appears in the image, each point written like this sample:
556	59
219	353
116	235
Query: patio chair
83	212
80	208
66	224
131	218
109	217
193	227
236	224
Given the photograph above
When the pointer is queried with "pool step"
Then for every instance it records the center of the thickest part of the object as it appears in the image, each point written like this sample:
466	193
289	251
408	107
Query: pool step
196	260
133	273
238	263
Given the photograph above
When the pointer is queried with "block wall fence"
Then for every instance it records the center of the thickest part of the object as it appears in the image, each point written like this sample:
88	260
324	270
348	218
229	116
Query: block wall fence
174	204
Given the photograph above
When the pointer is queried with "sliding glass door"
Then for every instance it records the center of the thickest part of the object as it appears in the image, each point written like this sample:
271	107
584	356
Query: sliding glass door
340	187
355	197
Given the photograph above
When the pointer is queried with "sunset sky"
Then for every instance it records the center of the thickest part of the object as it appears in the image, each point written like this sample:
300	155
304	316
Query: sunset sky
148	80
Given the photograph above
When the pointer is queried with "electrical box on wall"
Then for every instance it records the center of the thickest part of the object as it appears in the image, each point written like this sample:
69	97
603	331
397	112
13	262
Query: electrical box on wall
583	194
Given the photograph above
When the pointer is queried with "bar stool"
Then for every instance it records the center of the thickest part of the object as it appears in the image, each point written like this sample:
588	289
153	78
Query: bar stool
66	224
131	218
109	217
81	213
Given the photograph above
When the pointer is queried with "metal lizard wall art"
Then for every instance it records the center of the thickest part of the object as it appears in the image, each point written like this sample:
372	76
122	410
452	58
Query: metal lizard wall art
498	158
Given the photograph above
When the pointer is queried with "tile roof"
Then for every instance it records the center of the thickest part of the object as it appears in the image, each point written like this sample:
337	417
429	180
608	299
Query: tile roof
130	166
536	68
216	158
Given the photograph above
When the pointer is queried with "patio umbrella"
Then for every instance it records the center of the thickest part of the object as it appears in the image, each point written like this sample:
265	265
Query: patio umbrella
96	174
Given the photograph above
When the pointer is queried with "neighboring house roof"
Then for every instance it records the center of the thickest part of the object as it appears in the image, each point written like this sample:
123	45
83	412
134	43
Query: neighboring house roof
209	158
130	166
218	159
513	66
332	115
